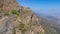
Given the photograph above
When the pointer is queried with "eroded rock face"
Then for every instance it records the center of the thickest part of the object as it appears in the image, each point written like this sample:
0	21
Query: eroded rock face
8	5
21	22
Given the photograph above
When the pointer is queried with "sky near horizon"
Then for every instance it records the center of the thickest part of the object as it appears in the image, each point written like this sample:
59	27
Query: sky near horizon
51	7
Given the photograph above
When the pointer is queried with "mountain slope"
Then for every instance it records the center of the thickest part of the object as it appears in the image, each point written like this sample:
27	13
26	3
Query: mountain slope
15	19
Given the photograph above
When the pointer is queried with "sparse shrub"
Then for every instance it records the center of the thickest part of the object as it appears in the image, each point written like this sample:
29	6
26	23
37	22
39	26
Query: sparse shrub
40	32
6	13
14	30
23	28
0	11
15	12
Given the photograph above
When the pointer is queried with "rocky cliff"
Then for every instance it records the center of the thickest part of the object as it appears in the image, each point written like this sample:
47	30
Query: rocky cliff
15	19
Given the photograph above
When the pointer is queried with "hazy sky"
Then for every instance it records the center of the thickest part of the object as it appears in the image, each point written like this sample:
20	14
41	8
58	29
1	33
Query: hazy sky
49	7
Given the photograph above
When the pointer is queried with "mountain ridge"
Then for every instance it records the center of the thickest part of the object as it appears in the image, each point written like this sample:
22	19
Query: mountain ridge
15	19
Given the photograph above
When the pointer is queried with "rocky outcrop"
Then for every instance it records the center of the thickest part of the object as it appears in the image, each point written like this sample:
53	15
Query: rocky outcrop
15	19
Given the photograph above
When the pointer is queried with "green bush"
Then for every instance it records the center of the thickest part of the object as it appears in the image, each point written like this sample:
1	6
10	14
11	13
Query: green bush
15	12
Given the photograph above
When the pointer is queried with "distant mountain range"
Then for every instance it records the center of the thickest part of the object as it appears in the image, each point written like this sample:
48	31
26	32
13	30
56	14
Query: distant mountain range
49	17
50	21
